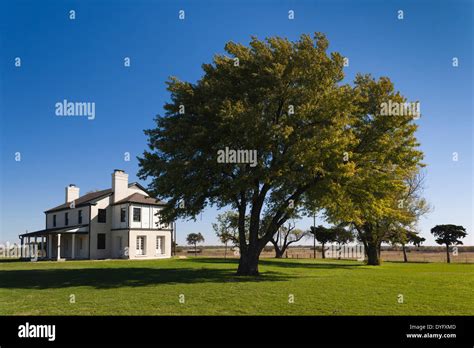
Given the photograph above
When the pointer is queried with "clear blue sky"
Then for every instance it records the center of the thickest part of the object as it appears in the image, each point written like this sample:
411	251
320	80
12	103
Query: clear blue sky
82	60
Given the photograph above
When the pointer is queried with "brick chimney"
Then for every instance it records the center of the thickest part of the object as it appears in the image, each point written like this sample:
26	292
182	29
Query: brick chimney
119	185
72	193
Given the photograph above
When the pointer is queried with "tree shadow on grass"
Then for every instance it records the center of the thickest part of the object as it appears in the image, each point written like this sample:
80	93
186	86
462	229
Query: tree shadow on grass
283	263
107	278
215	260
312	265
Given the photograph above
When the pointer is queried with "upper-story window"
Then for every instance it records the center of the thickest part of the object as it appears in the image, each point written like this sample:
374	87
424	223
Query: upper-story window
79	217
54	220
137	214
102	216
66	219
123	214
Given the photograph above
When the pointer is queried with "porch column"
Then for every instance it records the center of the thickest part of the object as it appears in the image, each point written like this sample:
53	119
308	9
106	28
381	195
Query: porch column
59	247
21	247
28	253
50	246
73	247
35	248
42	246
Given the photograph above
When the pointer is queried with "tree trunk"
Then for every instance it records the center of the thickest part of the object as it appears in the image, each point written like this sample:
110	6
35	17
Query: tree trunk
225	252
314	246
278	254
323	251
373	254
195	251
248	263
448	259
250	253
405	259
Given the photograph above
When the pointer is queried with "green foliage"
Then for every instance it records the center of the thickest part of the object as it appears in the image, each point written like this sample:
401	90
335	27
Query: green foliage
384	156
415	239
343	235
449	234
226	227
246	107
323	234
403	236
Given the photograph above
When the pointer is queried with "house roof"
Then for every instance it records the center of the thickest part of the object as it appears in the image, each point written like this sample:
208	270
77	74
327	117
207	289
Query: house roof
83	200
72	229
138	185
141	199
88	199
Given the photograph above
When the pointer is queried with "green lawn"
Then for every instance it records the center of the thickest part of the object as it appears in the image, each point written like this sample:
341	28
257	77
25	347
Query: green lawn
210	288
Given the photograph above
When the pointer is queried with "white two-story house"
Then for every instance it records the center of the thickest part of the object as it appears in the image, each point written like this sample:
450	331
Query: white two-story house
121	222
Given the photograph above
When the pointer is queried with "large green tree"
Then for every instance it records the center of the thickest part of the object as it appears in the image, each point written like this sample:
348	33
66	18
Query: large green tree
279	98
386	158
318	143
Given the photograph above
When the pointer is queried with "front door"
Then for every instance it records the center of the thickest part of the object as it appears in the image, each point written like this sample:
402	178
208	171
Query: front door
140	245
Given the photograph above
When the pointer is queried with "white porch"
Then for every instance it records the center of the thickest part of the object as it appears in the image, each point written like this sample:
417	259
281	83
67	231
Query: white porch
62	244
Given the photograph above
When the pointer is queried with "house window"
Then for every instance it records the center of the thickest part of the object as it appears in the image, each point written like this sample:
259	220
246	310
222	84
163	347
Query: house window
141	245
79	217
101	241
54	220
160	245
137	214
66	219
123	213
102	216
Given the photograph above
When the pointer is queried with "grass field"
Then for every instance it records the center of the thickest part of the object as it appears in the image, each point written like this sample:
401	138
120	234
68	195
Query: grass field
210	288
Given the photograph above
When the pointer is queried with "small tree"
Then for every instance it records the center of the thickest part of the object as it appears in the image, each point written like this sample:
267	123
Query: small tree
193	239
284	237
403	237
449	235
323	235
225	238
226	229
